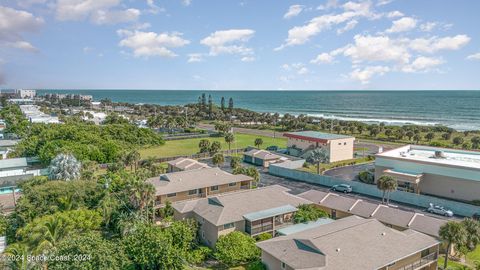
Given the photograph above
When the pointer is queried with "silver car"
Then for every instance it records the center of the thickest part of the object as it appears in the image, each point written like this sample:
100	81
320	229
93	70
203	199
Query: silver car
342	188
439	210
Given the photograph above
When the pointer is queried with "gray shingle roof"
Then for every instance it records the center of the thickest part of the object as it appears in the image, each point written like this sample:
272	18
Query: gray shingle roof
193	179
262	154
348	243
187	164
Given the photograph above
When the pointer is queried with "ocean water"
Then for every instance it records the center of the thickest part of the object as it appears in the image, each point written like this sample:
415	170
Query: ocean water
455	109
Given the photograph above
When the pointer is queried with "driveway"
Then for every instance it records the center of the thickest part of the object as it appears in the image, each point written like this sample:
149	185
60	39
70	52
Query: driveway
349	173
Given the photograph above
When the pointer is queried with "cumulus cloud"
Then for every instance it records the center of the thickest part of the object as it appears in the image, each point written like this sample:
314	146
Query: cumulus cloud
422	63
428	26
146	44
298	68
434	44
301	34
475	56
98	11
348	26
229	42
322	58
293	11
247	59
195	57
383	2
395	14
328	5
402	25
376	48
364	75
13	23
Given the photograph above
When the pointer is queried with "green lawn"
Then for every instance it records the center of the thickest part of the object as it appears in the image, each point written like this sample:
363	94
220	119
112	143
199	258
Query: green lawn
327	166
474	256
190	146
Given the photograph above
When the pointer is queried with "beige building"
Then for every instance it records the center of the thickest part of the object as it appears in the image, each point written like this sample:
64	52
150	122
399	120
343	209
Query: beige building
448	173
338	147
194	184
351	243
255	211
338	206
185	164
262	157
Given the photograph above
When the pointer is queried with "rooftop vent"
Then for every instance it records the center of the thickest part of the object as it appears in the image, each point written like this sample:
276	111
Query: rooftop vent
384	233
337	250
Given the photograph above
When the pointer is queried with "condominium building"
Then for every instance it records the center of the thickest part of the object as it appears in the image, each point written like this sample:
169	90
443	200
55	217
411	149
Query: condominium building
351	243
338	147
185	164
255	211
199	183
448	173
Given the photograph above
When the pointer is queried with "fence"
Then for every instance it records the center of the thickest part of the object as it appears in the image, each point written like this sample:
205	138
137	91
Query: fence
203	155
289	171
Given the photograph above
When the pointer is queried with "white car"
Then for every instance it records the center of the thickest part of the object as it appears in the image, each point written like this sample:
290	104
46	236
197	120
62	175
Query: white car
439	210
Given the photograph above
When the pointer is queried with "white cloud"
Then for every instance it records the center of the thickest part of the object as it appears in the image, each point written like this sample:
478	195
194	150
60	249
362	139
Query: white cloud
422	63
248	59
186	2
348	26
364	75
328	5
383	2
98	11
322	58
402	25
435	44
301	34
395	14
146	44
13	23
376	48
154	9
229	41
298	68
475	56
428	26
195	57
293	11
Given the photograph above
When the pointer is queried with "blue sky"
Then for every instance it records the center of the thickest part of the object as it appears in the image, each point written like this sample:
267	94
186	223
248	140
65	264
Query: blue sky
243	44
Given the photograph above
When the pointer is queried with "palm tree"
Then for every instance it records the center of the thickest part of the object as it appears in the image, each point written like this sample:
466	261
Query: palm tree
453	233
229	138
473	233
21	251
135	157
64	167
258	142
218	159
386	184
317	156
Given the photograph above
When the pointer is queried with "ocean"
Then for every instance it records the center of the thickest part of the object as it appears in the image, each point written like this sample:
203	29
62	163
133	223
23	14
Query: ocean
456	109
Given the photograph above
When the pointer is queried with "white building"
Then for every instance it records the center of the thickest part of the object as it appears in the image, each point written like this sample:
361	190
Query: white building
26	93
34	115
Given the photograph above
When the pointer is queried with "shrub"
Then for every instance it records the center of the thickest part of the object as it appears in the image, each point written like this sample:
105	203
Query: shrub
308	212
198	255
263	236
236	248
366	177
256	265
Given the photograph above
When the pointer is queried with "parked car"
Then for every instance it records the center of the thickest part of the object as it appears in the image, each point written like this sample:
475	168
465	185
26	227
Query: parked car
342	188
439	210
272	148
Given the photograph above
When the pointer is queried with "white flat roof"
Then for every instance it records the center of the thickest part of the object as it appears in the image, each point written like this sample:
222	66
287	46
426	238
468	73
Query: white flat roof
453	157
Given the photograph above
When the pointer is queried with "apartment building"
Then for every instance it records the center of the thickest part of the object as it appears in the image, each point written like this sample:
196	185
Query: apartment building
199	183
255	211
351	243
185	164
338	147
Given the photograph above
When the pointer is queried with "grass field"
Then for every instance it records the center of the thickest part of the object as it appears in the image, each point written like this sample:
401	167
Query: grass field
190	146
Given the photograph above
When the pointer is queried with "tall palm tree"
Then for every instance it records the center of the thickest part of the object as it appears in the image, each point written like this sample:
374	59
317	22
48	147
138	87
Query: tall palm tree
318	156
218	159
453	233
229	138
258	142
135	157
473	233
21	251
386	184
64	167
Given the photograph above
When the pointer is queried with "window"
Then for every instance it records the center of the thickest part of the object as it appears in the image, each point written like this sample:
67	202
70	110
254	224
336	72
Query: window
339	143
171	195
283	265
344	143
214	188
228	225
232	184
192	192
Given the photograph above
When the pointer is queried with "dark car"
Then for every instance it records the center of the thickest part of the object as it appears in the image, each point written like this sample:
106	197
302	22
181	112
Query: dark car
272	148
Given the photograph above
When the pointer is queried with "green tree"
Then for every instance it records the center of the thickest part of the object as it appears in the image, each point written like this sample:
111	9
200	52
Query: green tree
204	145
64	167
222	104
235	162
258	142
446	136
430	136
417	138
458	140
452	233
473	233
236	248
229	139
230	105
475	142
386	184
308	212
218	159
214	148
318	156
95	253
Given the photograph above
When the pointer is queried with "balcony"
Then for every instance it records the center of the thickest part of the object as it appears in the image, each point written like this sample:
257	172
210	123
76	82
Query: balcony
424	261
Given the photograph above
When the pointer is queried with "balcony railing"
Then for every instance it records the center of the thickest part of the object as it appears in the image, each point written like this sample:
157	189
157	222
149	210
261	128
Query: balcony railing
261	229
420	263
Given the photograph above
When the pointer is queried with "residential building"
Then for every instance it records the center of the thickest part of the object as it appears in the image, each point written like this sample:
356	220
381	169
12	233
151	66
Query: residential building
15	169
338	147
351	243
185	164
448	173
3	124
26	93
193	184
6	146
262	157
255	211
338	207
35	115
